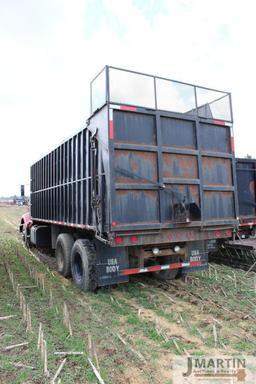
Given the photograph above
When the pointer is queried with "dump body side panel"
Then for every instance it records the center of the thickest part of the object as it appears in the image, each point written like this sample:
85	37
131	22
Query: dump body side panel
61	182
60	189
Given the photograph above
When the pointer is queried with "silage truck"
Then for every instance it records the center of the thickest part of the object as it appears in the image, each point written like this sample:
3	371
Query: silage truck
148	185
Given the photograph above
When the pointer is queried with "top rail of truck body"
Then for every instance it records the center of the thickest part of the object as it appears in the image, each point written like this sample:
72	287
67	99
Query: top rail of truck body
121	86
156	159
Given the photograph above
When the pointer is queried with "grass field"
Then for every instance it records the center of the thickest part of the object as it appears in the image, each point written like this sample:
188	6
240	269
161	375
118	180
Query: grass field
131	332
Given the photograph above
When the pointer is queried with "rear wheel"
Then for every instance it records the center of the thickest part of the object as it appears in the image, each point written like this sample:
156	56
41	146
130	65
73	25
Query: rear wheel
83	265
63	253
167	274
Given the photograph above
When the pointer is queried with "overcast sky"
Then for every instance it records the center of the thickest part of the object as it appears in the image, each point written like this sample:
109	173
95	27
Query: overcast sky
51	49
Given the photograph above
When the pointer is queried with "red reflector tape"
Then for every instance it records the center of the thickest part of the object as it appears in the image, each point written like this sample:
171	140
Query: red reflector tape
154	268
127	108
111	129
232	144
219	122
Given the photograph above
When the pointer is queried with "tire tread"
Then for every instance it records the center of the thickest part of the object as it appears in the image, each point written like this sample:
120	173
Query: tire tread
67	242
87	249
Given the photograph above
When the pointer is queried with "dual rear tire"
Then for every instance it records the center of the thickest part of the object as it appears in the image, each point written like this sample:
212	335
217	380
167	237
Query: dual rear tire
63	250
77	258
83	265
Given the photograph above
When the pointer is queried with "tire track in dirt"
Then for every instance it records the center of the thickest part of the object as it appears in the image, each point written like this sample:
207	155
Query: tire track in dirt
198	318
178	329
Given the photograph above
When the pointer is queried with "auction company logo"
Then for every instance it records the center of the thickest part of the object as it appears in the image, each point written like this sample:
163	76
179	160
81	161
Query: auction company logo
214	369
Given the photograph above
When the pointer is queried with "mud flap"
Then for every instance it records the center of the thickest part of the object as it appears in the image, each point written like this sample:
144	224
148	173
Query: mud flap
197	251
110	261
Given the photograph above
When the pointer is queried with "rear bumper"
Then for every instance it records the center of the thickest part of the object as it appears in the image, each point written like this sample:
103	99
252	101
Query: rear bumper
191	265
116	264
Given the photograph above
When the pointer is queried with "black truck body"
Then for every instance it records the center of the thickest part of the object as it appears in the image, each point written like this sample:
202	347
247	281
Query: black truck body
246	189
150	180
240	251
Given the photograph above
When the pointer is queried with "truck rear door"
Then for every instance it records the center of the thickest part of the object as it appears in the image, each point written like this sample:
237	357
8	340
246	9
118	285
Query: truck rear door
168	169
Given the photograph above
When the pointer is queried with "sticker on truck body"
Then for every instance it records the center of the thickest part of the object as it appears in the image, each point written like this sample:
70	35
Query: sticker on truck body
110	261
112	266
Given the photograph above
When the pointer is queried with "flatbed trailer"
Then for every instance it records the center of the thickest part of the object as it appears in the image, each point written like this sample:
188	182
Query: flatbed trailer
149	185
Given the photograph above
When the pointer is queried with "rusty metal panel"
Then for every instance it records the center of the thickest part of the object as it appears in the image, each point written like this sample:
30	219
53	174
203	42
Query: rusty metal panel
178	133
135	166
134	128
217	171
136	206
181	203
179	166
185	164
218	205
215	138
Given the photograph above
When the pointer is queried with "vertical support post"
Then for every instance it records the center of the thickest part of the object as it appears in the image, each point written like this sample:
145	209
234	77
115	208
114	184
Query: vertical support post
160	165
199	165
77	164
107	84
82	177
87	173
